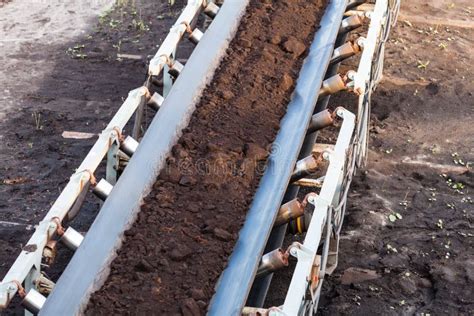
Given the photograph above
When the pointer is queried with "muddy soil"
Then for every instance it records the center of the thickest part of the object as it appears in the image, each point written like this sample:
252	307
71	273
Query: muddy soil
173	255
407	244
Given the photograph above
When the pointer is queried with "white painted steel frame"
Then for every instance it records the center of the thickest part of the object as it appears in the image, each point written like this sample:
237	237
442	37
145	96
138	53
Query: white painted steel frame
168	47
329	192
28	262
363	77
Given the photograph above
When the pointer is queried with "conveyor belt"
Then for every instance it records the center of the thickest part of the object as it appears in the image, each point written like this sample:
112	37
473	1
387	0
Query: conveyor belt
287	168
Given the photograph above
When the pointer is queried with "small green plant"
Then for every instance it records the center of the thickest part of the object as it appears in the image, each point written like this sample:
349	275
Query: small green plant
118	46
440	224
37	120
394	216
422	65
443	46
77	51
114	23
139	25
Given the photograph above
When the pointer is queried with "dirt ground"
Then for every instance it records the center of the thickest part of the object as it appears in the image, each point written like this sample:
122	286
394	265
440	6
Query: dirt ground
407	246
61	72
410	212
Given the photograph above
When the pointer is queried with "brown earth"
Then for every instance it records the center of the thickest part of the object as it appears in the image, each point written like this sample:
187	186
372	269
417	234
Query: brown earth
174	253
421	141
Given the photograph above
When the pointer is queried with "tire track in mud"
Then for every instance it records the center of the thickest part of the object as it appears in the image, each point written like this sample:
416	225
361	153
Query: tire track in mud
174	253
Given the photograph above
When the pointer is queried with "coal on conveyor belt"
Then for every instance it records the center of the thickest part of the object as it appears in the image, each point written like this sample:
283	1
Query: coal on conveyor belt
174	253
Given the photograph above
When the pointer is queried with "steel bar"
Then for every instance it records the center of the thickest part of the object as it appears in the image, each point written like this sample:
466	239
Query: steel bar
364	72
30	259
243	263
88	268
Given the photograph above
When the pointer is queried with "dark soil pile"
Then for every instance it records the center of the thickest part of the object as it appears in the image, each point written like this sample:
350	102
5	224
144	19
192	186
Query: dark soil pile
174	253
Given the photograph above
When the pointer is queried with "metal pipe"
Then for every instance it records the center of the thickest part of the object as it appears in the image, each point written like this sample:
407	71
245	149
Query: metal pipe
320	120
345	51
306	166
129	146
195	36
211	10
102	189
175	69
88	267
350	23
156	100
254	311
272	261
243	263
288	211
332	85
33	301
311	183
72	238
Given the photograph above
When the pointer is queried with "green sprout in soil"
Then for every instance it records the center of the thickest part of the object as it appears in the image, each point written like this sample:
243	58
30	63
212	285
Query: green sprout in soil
114	23
391	249
139	25
440	224
37	120
77	51
118	46
422	65
394	217
457	160
467	199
